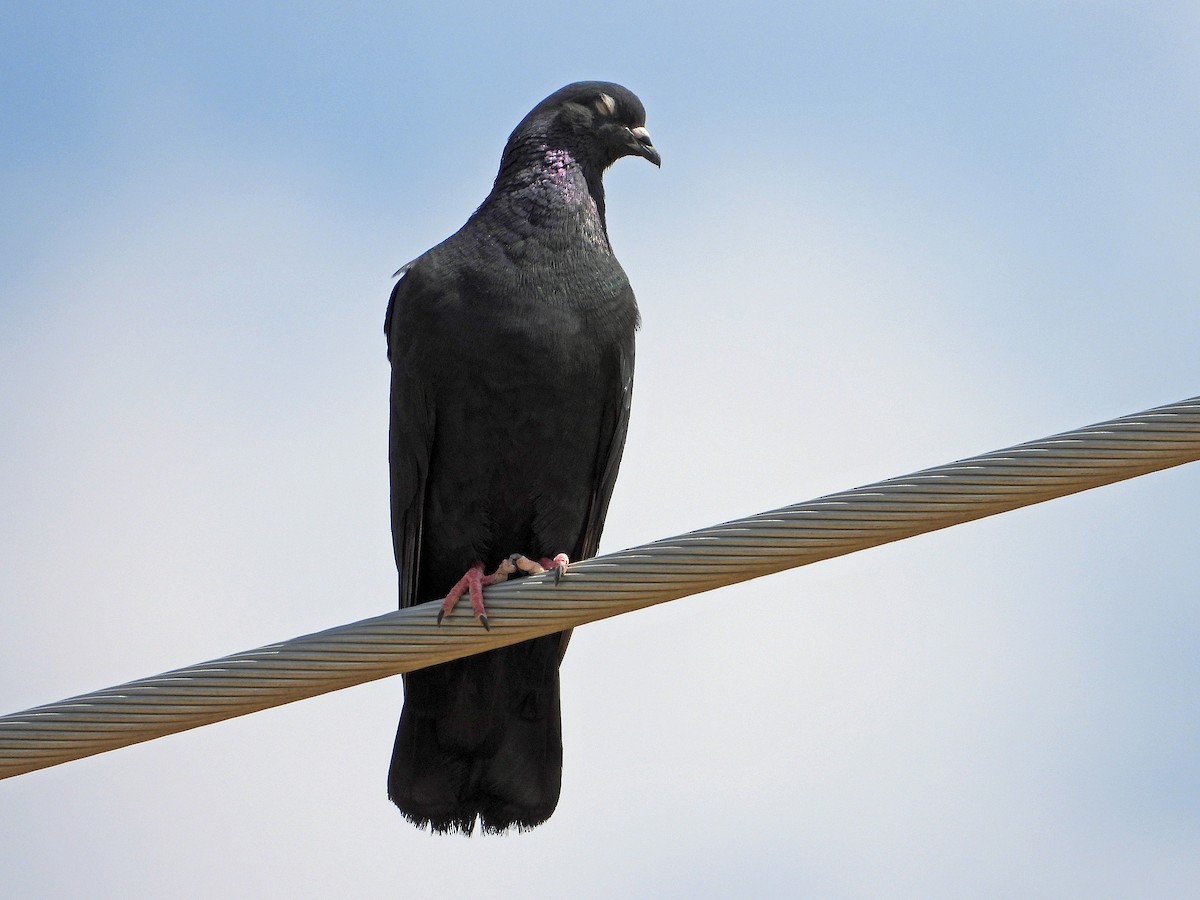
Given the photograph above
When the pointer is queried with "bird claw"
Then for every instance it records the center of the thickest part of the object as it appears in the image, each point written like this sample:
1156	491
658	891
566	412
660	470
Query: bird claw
529	567
472	584
559	565
474	581
525	565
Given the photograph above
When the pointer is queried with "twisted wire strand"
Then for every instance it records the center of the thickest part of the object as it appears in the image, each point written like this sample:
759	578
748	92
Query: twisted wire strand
605	586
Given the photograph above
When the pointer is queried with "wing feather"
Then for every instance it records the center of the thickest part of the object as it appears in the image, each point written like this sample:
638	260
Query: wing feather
410	441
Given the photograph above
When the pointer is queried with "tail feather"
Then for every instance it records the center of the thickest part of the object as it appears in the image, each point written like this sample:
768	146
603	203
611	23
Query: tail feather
481	739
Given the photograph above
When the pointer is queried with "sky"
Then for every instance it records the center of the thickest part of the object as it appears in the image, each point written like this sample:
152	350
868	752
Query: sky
884	237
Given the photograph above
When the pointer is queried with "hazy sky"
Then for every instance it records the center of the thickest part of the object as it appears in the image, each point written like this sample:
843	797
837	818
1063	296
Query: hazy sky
884	236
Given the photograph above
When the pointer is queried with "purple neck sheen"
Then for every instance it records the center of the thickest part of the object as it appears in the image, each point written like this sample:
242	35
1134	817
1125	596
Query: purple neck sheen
557	159
541	168
567	174
563	169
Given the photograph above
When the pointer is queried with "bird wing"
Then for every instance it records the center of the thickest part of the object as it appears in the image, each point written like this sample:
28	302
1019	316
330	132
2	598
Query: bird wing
608	459
410	439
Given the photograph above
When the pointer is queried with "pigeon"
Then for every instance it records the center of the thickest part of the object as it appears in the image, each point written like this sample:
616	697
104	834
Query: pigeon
511	345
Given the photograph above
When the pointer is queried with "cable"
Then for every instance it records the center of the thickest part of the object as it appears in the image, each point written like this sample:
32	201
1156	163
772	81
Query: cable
605	586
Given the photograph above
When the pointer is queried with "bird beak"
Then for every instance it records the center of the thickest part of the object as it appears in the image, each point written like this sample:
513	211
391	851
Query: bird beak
642	147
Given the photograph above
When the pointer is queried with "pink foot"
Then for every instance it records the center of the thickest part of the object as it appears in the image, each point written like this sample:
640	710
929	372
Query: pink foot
529	567
473	584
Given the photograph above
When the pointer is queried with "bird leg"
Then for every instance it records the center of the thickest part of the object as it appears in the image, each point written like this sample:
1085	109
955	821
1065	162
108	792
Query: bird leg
529	567
472	584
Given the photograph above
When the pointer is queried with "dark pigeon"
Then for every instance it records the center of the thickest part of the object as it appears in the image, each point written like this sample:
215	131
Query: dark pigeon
511	346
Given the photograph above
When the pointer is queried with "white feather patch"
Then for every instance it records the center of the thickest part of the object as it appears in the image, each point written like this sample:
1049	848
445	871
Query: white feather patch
606	105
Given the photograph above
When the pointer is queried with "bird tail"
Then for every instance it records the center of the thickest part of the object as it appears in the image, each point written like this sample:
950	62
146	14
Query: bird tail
480	739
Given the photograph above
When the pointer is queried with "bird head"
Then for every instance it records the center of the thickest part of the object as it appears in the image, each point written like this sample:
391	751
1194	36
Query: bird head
597	121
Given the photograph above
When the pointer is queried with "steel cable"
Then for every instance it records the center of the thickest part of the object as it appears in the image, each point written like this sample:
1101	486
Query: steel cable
605	586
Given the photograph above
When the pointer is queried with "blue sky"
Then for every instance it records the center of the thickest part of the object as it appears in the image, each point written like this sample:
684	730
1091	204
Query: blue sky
884	236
